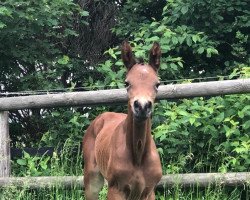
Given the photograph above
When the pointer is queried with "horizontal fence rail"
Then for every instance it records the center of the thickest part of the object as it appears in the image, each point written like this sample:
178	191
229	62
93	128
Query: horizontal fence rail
175	91
183	180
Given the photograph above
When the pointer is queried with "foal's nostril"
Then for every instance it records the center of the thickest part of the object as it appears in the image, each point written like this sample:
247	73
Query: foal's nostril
136	104
142	109
145	107
149	105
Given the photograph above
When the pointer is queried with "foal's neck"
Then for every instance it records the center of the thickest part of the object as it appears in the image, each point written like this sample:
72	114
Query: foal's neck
138	137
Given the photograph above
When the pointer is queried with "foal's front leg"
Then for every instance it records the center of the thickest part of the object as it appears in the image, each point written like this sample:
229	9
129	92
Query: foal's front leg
151	196
115	194
93	182
93	179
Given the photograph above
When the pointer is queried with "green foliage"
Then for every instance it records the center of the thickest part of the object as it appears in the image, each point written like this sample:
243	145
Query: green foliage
65	161
36	55
69	125
33	35
195	42
209	193
209	38
59	192
65	125
56	193
33	166
195	133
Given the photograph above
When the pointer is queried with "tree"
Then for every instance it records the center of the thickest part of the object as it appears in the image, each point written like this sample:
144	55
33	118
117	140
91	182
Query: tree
50	46
198	38
34	37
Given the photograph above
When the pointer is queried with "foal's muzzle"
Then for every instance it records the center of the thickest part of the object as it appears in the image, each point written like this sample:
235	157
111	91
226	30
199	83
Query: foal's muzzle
142	109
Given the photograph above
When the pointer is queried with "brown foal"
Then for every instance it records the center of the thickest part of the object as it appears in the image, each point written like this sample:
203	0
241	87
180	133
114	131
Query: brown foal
119	147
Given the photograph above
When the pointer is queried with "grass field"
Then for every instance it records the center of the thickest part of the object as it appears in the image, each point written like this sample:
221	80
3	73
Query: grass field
69	163
58	193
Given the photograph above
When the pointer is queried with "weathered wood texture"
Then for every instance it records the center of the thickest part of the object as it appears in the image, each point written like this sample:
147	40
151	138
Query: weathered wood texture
4	145
43	181
205	179
183	180
89	98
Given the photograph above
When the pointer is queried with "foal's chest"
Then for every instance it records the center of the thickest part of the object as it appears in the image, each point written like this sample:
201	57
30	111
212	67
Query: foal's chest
137	182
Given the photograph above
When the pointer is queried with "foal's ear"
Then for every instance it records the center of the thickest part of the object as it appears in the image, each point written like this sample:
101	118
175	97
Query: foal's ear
155	56
127	55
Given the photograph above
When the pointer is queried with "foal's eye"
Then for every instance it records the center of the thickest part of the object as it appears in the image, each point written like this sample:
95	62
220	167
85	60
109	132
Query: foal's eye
157	85
126	84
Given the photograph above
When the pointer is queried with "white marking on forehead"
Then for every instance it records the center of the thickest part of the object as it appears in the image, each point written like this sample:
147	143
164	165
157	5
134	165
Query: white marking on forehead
145	70
143	73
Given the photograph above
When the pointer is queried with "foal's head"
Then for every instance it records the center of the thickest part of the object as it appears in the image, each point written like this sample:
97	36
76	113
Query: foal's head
141	81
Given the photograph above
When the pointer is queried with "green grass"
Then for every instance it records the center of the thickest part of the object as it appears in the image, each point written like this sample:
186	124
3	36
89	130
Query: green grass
58	193
208	193
69	163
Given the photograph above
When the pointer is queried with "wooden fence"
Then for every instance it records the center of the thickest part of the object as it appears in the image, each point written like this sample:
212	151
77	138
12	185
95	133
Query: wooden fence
184	180
90	98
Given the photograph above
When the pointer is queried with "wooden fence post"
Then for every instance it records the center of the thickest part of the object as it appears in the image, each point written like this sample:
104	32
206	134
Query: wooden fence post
4	145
